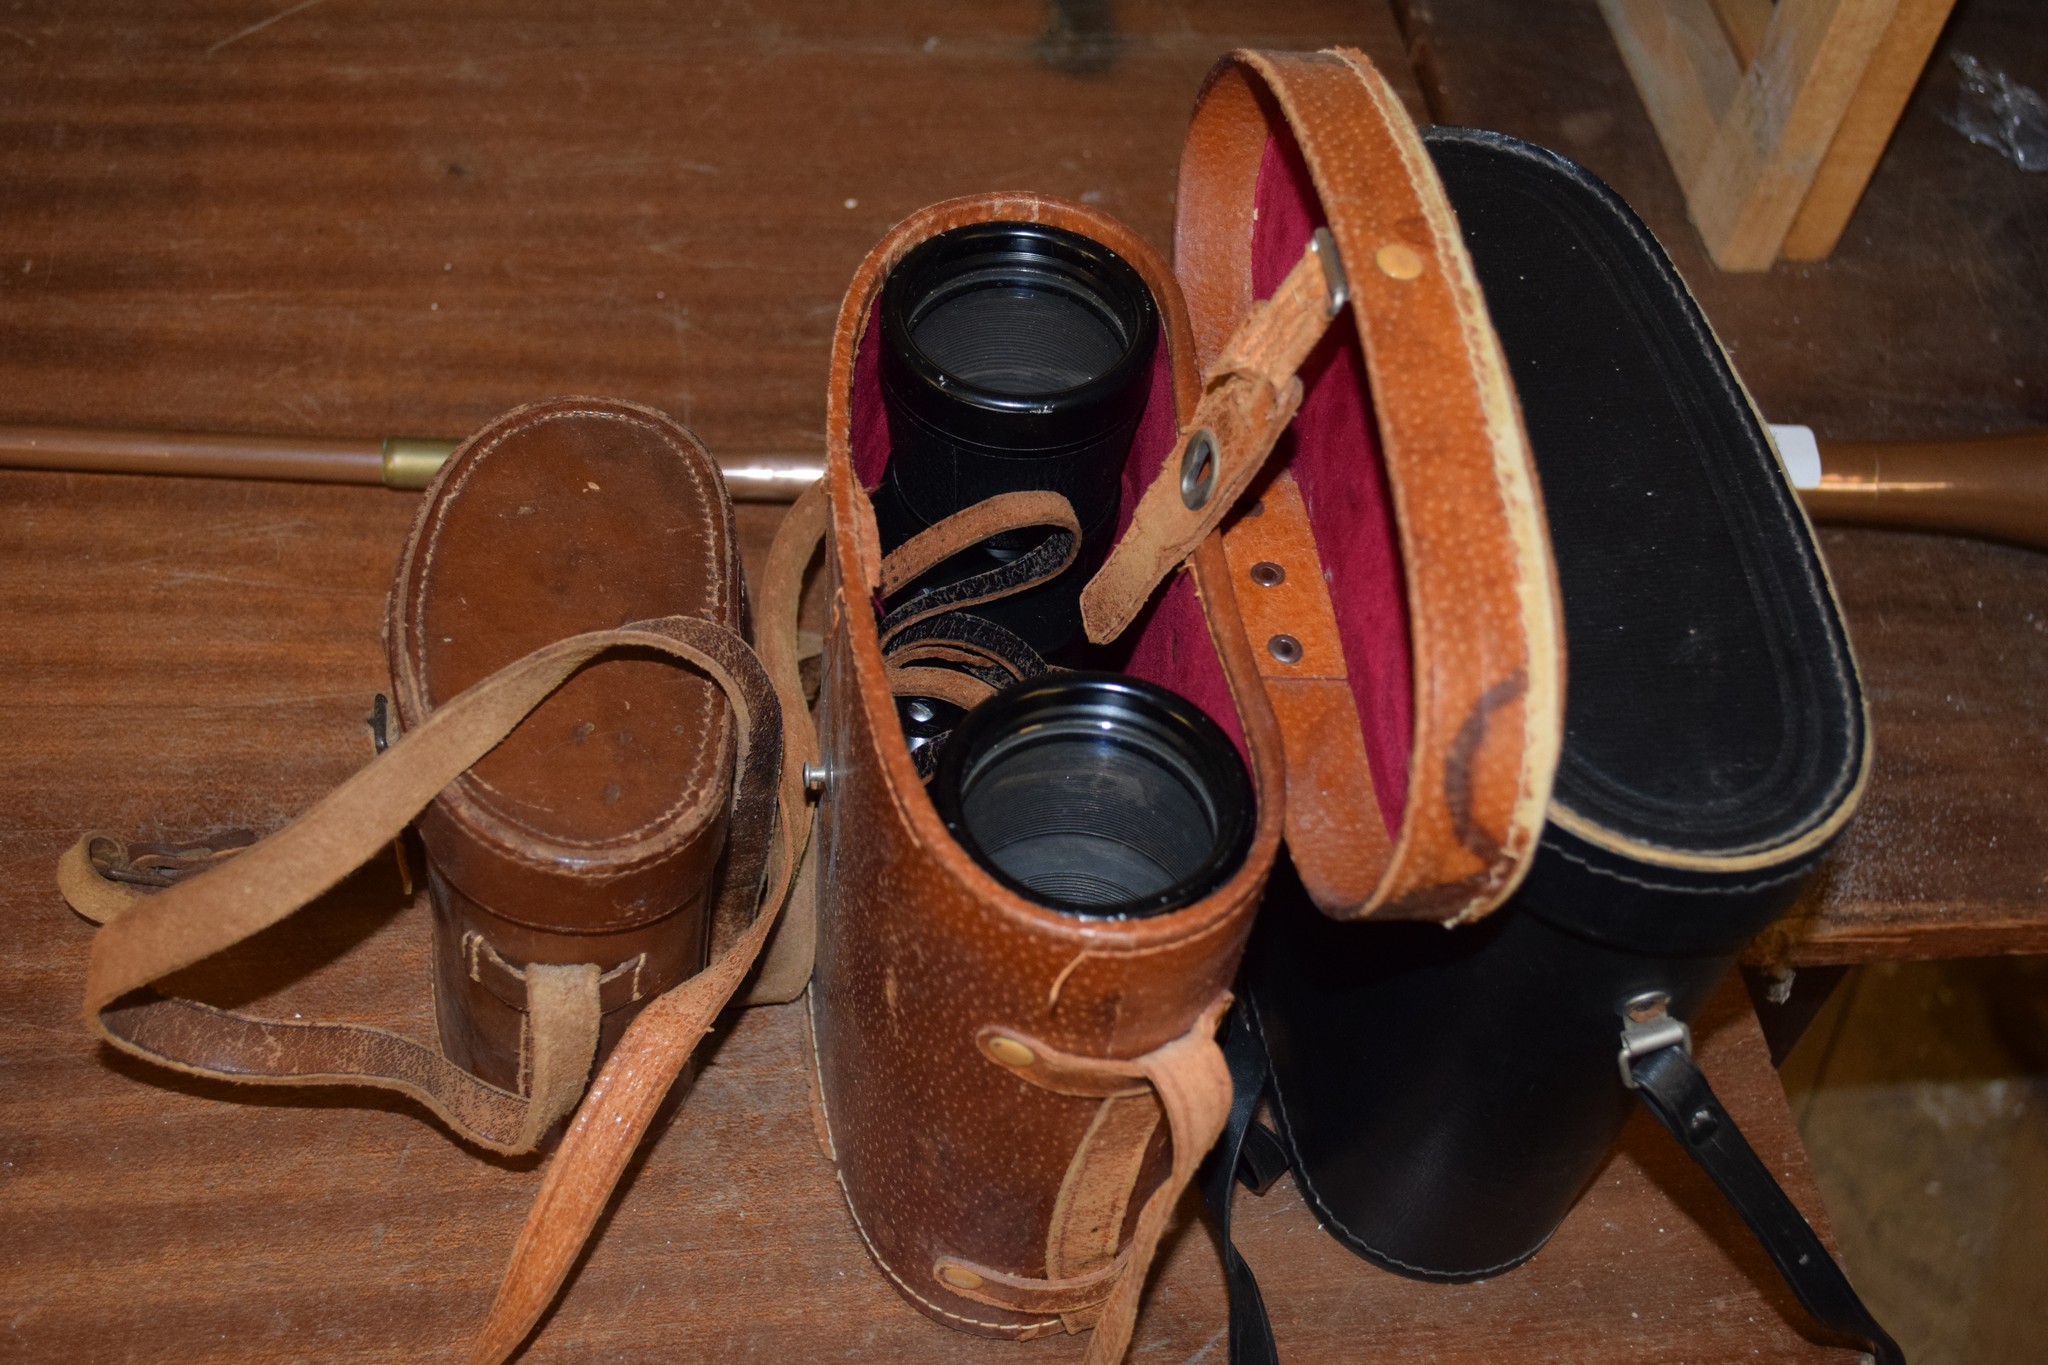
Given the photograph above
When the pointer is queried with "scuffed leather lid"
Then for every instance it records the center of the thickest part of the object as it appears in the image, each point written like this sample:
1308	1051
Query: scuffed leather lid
1715	740
1394	573
604	809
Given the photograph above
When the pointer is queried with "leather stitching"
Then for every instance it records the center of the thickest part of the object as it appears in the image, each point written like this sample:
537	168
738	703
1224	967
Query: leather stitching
875	1252
1798	870
701	761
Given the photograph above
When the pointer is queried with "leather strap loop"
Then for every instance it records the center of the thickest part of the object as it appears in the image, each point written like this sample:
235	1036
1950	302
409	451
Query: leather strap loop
1249	396
187	922
1192	1083
1020	1294
768	832
787	960
970	527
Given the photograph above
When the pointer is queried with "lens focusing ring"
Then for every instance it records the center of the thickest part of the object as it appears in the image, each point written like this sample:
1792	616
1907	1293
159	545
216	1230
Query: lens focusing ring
992	304
1097	795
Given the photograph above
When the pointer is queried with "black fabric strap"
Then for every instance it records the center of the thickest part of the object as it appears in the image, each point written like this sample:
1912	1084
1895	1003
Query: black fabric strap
1245	1151
1671	1086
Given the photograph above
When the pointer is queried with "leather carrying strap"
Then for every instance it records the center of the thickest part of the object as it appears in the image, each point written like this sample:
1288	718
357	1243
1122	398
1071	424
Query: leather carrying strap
1192	1083
786	961
192	920
636	1077
1670	1085
1249	396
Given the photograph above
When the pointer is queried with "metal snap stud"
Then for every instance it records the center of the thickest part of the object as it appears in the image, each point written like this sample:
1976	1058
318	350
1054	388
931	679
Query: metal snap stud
1267	574
1198	469
1285	648
1010	1052
815	777
1702	1124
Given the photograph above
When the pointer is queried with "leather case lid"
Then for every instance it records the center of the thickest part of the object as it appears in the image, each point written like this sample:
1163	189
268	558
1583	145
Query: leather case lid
1409	639
606	807
1714	728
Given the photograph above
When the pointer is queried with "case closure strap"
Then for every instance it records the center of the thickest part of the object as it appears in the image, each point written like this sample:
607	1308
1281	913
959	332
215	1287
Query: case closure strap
1648	1029
1249	396
1657	1064
1184	1080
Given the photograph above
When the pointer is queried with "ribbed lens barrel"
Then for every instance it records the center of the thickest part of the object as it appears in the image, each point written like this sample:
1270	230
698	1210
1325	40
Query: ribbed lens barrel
1014	356
1096	794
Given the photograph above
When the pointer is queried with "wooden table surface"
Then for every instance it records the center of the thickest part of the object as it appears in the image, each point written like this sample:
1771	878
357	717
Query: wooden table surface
355	217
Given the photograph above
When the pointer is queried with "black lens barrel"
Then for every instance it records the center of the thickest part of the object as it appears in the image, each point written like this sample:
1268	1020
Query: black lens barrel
1096	794
1014	356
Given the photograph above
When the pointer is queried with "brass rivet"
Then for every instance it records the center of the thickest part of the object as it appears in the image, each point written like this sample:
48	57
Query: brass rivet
958	1278
1399	261
1267	574
1010	1052
1285	648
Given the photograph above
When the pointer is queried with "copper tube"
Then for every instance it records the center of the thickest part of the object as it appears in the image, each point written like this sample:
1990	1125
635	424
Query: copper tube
406	462
1994	486
309	459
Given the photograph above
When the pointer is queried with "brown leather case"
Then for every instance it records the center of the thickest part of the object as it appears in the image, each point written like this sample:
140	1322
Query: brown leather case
1014	1098
596	760
572	570
591	833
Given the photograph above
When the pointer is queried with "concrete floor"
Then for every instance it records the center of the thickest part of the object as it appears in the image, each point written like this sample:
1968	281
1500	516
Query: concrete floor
1921	1091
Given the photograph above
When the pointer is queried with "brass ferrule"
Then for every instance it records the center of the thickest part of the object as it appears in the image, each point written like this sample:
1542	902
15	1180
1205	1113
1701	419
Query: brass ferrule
410	462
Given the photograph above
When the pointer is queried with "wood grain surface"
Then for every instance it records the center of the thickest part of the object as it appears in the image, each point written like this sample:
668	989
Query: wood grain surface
361	216
195	659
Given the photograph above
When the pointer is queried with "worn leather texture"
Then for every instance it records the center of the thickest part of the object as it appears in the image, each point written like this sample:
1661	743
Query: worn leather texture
1006	1199
1715	746
1422	708
592	833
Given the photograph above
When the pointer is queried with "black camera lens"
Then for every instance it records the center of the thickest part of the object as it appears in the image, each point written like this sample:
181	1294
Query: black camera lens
1096	794
1014	356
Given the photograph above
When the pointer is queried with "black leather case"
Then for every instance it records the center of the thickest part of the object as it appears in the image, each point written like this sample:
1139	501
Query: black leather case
1445	1096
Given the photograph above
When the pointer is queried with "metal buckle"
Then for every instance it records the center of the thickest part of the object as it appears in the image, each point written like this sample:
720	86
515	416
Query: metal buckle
1649	1027
1336	284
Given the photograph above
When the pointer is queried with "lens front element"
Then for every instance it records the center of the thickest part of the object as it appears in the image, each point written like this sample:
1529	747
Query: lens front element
1098	795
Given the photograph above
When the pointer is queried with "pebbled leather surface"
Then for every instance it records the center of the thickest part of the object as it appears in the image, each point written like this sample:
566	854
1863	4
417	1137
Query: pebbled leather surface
945	1156
1466	776
592	833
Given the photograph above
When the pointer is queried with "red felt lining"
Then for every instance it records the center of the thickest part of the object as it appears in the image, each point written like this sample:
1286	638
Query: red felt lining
1169	643
1332	449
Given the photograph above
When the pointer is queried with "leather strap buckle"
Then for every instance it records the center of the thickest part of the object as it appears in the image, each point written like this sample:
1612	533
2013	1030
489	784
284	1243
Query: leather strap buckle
1649	1027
